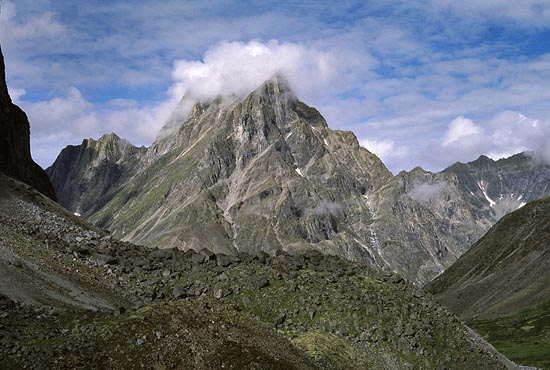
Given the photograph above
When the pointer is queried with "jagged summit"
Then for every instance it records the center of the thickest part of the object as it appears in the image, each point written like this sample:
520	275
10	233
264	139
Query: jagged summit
110	137
277	85
5	99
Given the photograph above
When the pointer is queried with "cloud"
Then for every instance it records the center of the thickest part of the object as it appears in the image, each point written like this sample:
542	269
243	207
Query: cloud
500	136
396	74
527	13
239	68
75	118
324	208
40	26
461	131
385	149
426	193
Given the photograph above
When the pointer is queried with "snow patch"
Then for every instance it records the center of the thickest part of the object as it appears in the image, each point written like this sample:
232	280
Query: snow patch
482	187
289	135
77	214
299	172
325	141
521	205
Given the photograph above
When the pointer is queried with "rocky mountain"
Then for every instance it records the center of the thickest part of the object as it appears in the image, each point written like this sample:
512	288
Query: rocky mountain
504	185
501	284
72	296
442	214
265	173
95	168
15	151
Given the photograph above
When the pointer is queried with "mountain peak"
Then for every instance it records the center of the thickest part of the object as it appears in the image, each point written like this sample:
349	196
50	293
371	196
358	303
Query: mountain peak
110	137
277	85
5	99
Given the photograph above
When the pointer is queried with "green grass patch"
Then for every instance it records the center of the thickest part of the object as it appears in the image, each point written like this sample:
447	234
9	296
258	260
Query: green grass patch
523	337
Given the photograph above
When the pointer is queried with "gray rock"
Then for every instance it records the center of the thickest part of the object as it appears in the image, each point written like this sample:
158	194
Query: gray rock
221	291
179	292
103	259
162	253
259	281
280	319
198	258
223	260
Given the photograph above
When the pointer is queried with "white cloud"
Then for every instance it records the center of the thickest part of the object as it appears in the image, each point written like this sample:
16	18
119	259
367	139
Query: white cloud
42	25
376	72
501	136
239	68
426	192
461	131
528	13
385	149
69	118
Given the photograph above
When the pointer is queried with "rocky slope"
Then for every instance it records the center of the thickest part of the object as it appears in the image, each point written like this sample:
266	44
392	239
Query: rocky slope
505	271
85	173
265	173
173	309
15	152
504	185
442	214
501	285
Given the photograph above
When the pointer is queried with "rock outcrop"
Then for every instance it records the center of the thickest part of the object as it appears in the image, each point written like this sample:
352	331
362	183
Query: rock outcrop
15	151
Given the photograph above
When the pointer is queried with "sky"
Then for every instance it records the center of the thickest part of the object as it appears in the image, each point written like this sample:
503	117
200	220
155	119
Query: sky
421	83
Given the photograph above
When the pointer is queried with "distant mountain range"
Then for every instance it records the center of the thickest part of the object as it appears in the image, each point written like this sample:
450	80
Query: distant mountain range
265	173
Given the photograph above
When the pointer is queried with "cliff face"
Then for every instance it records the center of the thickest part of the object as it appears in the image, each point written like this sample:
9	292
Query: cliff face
15	152
83	174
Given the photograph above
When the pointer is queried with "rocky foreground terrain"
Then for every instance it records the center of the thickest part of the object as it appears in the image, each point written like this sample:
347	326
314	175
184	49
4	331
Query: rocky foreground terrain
82	299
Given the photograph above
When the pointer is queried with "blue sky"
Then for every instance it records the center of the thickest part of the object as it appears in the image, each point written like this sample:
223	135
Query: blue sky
419	82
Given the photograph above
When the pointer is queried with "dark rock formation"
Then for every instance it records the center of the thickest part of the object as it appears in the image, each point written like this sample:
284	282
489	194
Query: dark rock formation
15	150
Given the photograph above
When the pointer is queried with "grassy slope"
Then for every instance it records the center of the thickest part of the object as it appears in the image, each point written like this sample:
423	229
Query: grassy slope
523	337
500	287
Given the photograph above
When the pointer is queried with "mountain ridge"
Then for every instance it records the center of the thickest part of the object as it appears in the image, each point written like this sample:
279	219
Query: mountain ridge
269	164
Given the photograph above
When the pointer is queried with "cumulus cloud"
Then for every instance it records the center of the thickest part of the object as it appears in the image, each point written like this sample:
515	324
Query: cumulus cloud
385	149
73	118
501	136
375	71
225	69
461	131
426	192
239	68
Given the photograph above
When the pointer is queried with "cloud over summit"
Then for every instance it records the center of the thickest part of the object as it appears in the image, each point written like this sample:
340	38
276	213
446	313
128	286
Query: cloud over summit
240	67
